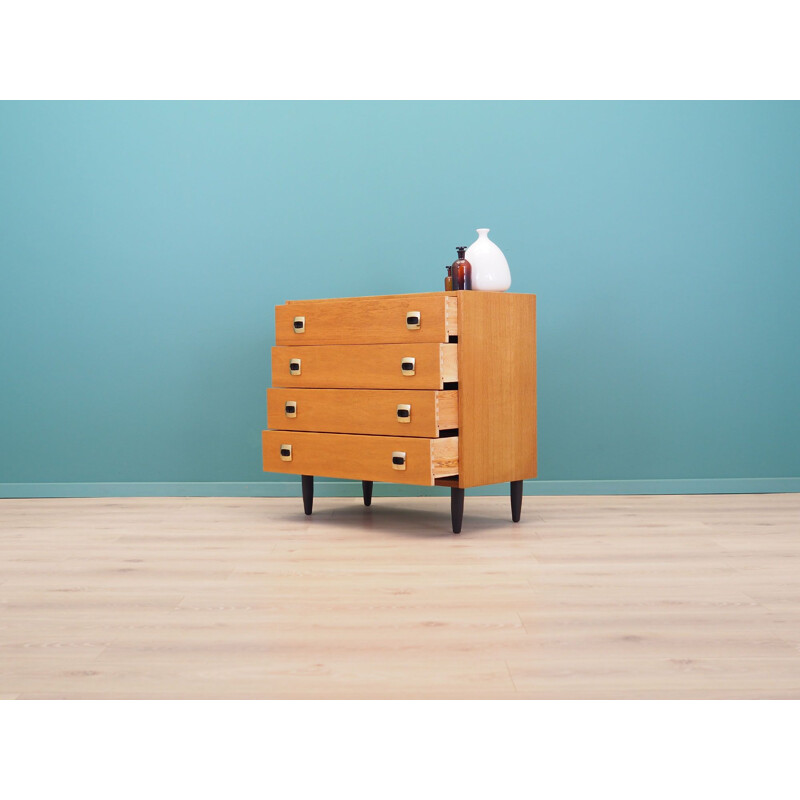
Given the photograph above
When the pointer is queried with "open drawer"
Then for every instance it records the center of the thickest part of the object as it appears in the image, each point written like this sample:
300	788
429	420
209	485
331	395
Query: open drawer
426	317
393	459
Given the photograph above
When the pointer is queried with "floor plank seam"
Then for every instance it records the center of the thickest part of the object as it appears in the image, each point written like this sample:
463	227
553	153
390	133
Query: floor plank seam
511	677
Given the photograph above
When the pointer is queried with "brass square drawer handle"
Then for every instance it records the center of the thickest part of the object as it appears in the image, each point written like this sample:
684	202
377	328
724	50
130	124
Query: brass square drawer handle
413	320
398	459
290	408
404	412
299	325
294	366
408	366
286	452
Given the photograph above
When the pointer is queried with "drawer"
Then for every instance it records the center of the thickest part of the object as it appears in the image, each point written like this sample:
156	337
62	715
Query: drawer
394	459
362	366
383	412
368	320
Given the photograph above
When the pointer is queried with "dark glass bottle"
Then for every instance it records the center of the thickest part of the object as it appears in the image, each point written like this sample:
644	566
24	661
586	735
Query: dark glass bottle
448	281
462	271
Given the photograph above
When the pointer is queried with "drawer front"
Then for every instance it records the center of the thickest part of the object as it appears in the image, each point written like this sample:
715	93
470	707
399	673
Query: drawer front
378	366
367	320
394	459
382	412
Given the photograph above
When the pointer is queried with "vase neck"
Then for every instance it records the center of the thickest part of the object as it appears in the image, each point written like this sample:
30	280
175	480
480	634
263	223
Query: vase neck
483	233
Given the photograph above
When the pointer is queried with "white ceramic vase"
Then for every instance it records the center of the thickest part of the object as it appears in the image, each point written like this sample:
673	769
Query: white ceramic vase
490	271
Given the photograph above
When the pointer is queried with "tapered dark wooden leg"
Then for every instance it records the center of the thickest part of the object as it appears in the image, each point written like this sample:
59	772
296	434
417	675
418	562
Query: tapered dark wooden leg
456	507
516	500
366	487
308	493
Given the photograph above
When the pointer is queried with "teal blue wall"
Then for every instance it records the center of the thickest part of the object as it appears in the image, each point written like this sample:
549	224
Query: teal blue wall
144	245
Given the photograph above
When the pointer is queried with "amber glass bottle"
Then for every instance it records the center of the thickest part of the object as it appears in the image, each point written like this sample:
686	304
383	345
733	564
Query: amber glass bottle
462	271
448	281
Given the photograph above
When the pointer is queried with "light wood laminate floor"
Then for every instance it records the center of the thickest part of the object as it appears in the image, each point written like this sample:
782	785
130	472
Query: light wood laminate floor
588	597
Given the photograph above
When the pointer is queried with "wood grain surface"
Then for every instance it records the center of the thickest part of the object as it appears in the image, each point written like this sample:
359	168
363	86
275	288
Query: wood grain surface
368	320
497	387
363	411
362	366
694	597
364	458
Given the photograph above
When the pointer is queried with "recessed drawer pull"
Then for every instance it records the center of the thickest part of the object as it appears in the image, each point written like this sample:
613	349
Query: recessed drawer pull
403	412
286	452
291	408
413	320
299	325
407	365
398	459
294	366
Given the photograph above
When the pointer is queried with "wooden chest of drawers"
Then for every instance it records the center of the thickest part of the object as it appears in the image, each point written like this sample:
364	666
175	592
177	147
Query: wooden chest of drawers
436	388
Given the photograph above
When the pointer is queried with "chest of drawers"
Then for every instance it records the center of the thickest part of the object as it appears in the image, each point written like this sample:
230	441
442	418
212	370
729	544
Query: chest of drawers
427	389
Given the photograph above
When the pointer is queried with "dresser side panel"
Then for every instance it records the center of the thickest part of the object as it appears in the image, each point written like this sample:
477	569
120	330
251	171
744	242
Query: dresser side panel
497	387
